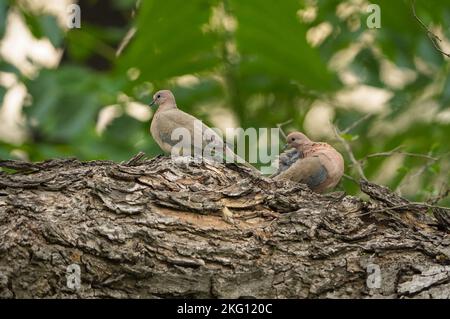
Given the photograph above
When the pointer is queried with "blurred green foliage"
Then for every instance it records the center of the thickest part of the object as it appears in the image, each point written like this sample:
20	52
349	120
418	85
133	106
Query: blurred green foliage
251	57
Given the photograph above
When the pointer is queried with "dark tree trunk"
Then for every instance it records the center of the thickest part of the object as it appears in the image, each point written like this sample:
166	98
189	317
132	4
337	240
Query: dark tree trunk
158	228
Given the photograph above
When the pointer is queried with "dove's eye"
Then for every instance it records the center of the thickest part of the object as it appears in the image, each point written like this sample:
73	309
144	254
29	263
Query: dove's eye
158	96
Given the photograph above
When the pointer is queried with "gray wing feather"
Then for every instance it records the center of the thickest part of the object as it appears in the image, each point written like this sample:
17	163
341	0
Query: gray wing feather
286	159
309	171
317	178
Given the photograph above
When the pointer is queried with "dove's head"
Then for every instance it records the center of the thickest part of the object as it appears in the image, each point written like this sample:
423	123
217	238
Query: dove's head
163	97
298	140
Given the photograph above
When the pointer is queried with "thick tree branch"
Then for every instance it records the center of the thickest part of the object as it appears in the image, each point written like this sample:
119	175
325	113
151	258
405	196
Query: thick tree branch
155	228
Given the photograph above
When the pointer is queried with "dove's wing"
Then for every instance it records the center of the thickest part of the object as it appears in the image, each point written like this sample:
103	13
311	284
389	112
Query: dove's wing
171	125
309	171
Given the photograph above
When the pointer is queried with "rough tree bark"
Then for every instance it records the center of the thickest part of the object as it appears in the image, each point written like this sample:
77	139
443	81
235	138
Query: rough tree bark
158	228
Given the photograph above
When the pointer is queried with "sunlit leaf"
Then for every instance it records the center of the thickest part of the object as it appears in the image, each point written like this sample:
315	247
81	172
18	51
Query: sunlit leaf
3	14
349	137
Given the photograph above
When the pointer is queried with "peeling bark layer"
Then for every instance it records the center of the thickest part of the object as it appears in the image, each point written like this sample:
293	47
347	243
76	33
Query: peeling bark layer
159	228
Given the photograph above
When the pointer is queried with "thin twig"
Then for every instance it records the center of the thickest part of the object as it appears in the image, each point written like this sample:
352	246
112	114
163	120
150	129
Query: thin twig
396	151
388	153
362	119
406	179
359	164
443	193
280	127
136	7
350	178
126	39
349	151
130	33
432	36
348	147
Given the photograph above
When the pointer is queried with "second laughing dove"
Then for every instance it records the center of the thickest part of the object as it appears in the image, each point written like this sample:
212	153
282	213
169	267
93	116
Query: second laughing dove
318	165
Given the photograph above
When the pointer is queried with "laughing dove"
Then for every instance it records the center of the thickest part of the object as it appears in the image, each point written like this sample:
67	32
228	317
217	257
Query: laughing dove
318	165
170	125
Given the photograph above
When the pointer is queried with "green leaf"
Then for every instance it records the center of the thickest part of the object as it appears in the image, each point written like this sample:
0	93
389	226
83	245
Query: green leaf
403	170
81	44
445	97
271	40
7	67
51	29
3	15
367	67
349	137
124	4
115	144
397	20
92	40
170	41
64	102
44	26
2	94
435	168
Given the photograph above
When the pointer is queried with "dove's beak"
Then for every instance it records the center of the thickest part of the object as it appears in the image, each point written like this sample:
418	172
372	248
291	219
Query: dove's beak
286	146
152	103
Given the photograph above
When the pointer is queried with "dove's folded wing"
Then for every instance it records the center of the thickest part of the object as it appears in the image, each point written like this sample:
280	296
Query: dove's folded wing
309	171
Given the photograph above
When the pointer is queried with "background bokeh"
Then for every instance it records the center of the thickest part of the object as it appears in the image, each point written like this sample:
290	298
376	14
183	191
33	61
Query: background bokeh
233	63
